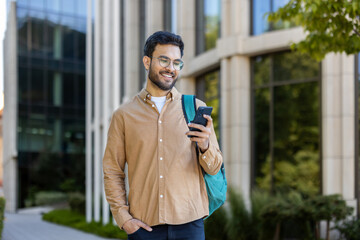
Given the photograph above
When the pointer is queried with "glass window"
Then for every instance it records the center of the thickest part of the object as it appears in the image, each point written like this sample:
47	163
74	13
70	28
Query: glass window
288	66
69	92
208	90
54	84
22	3
208	24
82	8
286	128
37	33
68	37
37	88
68	6
53	5
36	4
260	8
23	91
23	27
82	90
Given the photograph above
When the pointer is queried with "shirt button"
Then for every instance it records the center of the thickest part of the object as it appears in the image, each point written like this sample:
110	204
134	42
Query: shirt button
209	164
161	158
161	196
161	176
160	140
204	157
160	121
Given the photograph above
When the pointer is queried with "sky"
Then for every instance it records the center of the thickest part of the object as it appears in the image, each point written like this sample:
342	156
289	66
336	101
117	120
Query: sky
2	29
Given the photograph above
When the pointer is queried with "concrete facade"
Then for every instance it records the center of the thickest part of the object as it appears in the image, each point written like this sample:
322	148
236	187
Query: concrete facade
232	55
10	112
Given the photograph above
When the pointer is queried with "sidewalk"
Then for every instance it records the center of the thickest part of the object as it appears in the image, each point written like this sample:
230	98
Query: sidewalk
30	226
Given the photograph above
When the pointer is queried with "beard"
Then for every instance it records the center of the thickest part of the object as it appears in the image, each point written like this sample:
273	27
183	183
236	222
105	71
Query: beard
155	79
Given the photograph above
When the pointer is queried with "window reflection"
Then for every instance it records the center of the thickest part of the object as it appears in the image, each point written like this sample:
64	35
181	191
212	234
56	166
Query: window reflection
51	96
37	33
286	125
68	6
208	24
207	89
36	4
82	7
260	8
53	5
260	24
37	86
22	25
22	3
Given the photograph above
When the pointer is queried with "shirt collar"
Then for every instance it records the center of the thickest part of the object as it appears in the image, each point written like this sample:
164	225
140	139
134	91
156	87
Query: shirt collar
173	94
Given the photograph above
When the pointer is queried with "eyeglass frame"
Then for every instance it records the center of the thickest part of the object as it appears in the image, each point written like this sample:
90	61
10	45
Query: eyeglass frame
170	62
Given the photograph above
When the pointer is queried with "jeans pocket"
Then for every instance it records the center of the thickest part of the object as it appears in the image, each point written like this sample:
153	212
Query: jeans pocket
134	233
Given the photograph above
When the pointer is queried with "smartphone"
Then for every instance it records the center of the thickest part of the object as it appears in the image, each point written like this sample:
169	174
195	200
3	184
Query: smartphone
199	117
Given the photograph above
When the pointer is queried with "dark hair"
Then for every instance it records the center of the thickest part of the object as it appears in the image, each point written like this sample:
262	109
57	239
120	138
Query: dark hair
162	37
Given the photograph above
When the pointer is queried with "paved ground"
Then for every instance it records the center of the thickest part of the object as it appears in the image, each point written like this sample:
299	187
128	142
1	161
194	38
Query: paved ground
29	226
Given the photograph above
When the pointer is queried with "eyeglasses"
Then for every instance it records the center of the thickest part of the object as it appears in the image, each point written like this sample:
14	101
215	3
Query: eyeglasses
165	62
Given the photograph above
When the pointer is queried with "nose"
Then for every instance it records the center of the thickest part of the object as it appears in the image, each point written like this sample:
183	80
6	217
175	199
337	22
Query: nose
171	66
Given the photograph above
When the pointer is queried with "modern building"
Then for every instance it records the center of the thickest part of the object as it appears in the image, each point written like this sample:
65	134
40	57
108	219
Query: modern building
284	121
44	114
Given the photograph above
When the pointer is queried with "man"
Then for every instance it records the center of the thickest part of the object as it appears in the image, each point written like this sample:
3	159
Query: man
167	194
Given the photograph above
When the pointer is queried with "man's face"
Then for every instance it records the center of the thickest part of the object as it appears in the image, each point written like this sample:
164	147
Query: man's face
164	77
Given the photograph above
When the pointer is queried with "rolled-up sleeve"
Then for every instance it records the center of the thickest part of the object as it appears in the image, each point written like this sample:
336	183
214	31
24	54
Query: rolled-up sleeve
114	170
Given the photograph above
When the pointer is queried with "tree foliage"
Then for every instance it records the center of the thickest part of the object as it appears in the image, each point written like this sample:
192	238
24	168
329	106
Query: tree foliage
330	26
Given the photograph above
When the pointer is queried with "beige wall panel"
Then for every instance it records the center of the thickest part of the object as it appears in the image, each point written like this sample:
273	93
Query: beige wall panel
154	16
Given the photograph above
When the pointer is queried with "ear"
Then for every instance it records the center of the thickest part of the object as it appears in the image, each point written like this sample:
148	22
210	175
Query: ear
146	61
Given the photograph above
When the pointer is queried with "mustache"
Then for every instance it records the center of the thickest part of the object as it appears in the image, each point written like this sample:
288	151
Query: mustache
167	72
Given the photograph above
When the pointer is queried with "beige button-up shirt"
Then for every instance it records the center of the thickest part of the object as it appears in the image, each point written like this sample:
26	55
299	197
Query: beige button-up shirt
166	184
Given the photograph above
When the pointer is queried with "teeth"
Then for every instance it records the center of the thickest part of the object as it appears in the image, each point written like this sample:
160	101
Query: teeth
166	75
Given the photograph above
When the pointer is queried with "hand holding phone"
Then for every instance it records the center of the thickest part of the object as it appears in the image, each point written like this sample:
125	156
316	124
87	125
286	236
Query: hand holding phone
199	118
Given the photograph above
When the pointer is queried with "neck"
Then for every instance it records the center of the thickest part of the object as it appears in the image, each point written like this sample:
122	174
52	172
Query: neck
154	90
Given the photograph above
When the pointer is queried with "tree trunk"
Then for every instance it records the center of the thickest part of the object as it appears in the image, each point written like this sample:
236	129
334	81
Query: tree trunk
277	231
317	230
328	230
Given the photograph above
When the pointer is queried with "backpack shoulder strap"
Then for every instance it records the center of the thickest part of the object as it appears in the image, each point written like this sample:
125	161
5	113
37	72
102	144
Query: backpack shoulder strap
189	107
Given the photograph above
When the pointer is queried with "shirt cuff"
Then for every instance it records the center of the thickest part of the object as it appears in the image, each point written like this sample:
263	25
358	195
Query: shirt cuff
208	160
122	217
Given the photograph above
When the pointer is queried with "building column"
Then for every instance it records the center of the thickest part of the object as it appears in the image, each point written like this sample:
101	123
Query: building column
338	131
132	48
154	16
10	160
235	114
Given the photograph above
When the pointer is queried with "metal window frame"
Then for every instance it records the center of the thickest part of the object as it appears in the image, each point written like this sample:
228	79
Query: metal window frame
357	134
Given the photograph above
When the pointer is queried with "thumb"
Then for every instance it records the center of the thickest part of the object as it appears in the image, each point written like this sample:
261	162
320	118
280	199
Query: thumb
146	227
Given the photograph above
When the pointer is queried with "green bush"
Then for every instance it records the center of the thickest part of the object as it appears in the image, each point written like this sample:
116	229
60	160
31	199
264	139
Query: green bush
296	217
2	210
213	225
49	198
77	220
77	202
349	229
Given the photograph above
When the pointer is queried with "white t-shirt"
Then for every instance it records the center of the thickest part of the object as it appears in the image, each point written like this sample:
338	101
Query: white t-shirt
159	102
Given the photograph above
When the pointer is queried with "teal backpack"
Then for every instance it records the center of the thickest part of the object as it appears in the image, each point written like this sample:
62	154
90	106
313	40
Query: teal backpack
216	185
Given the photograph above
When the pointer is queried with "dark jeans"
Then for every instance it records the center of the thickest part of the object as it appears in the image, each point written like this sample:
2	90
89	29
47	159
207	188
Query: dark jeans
188	231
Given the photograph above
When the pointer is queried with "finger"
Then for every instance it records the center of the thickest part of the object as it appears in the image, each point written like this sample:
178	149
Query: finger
146	227
197	139
198	134
198	126
209	122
